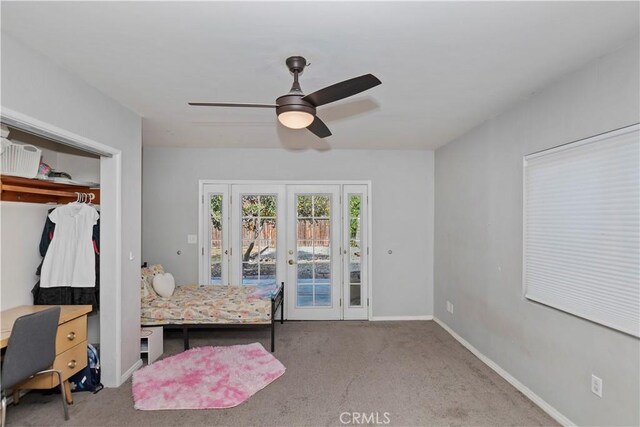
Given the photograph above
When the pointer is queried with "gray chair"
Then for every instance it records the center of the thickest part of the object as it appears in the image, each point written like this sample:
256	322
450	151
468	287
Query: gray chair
31	351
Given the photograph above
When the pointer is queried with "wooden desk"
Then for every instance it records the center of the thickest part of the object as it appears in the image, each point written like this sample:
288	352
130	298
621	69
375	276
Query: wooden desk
71	344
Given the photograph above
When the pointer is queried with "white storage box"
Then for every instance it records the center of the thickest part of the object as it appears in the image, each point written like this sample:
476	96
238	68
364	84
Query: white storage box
151	343
19	160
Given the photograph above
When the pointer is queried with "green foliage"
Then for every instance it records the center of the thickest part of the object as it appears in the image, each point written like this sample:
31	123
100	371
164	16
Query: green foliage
354	216
264	206
216	211
305	206
314	206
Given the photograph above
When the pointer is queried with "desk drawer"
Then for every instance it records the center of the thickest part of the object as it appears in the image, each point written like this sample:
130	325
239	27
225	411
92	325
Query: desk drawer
69	362
72	360
71	333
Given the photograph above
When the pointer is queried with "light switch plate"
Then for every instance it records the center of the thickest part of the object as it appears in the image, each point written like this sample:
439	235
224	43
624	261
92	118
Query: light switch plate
192	239
596	385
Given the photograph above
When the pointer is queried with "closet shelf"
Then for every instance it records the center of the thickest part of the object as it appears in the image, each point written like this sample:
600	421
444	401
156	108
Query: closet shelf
17	189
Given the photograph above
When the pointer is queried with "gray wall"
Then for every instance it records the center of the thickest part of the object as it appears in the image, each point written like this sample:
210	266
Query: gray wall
402	183
34	85
478	246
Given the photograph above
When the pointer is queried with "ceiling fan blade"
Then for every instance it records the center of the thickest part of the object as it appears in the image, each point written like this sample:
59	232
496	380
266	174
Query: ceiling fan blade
318	128
342	90
231	104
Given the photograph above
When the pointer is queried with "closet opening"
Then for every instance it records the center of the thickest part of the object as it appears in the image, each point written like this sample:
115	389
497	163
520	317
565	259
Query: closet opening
62	200
67	186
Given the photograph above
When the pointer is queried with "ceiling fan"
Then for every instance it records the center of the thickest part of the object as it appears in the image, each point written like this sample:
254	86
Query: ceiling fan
296	110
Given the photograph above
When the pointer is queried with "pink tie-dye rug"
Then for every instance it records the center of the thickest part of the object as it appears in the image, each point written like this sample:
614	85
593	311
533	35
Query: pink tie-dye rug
205	378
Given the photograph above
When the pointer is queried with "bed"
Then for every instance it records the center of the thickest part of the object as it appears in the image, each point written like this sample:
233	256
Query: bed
211	307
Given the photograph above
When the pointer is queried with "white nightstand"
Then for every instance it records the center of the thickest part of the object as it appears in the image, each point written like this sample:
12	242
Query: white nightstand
151	343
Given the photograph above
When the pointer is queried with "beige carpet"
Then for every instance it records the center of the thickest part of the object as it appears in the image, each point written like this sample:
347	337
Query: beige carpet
414	371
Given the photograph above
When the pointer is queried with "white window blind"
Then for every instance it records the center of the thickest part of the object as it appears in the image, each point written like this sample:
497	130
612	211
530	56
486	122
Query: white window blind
582	228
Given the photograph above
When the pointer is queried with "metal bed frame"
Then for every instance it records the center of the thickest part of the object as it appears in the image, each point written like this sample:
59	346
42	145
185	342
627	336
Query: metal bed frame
277	301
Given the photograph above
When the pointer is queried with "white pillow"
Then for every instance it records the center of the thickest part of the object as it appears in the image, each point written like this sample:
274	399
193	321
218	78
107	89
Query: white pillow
164	284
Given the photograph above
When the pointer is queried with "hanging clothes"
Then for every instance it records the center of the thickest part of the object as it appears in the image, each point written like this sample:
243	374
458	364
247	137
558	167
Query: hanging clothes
67	293
70	259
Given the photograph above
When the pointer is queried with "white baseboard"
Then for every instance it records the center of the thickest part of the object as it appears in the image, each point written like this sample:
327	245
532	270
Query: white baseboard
395	318
130	371
553	412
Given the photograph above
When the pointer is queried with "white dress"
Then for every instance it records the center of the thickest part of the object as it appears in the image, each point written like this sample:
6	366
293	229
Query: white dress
70	259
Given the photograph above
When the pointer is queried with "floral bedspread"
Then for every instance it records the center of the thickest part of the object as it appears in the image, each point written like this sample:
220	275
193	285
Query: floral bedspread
194	304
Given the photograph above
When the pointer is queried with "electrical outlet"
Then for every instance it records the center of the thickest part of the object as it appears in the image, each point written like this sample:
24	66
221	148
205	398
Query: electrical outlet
596	385
449	307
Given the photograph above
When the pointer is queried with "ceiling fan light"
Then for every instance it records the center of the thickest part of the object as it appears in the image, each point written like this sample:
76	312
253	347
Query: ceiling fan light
296	119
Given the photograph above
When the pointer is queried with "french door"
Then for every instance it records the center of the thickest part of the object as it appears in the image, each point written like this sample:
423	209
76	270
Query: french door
313	241
312	237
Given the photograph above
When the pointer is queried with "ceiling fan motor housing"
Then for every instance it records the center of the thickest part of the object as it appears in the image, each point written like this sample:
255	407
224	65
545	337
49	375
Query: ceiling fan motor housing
293	103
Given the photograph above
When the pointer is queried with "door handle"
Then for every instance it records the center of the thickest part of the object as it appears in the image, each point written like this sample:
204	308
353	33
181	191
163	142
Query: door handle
291	262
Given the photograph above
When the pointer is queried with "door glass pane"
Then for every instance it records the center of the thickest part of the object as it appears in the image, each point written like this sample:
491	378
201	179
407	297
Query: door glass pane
250	206
268	261
321	250
313	235
215	241
322	295
354	295
355	247
259	239
320	230
304	207
322	272
321	206
305	272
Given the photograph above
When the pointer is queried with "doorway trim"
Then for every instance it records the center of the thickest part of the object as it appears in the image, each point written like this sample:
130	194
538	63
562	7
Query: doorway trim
368	183
111	240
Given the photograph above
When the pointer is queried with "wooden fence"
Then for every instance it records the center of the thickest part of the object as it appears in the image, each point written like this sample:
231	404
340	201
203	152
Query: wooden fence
307	230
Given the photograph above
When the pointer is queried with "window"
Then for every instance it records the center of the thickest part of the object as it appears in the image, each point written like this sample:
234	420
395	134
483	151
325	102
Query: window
581	229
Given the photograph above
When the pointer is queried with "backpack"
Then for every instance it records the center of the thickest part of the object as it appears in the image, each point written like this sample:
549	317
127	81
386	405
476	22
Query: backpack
88	379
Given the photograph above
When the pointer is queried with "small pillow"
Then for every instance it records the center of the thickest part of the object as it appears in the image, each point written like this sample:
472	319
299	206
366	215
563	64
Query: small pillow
164	284
147	293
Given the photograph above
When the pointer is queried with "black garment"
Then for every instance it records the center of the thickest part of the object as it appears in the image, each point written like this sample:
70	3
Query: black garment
66	295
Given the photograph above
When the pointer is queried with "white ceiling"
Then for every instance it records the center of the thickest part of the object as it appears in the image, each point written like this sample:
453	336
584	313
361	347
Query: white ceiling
445	66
